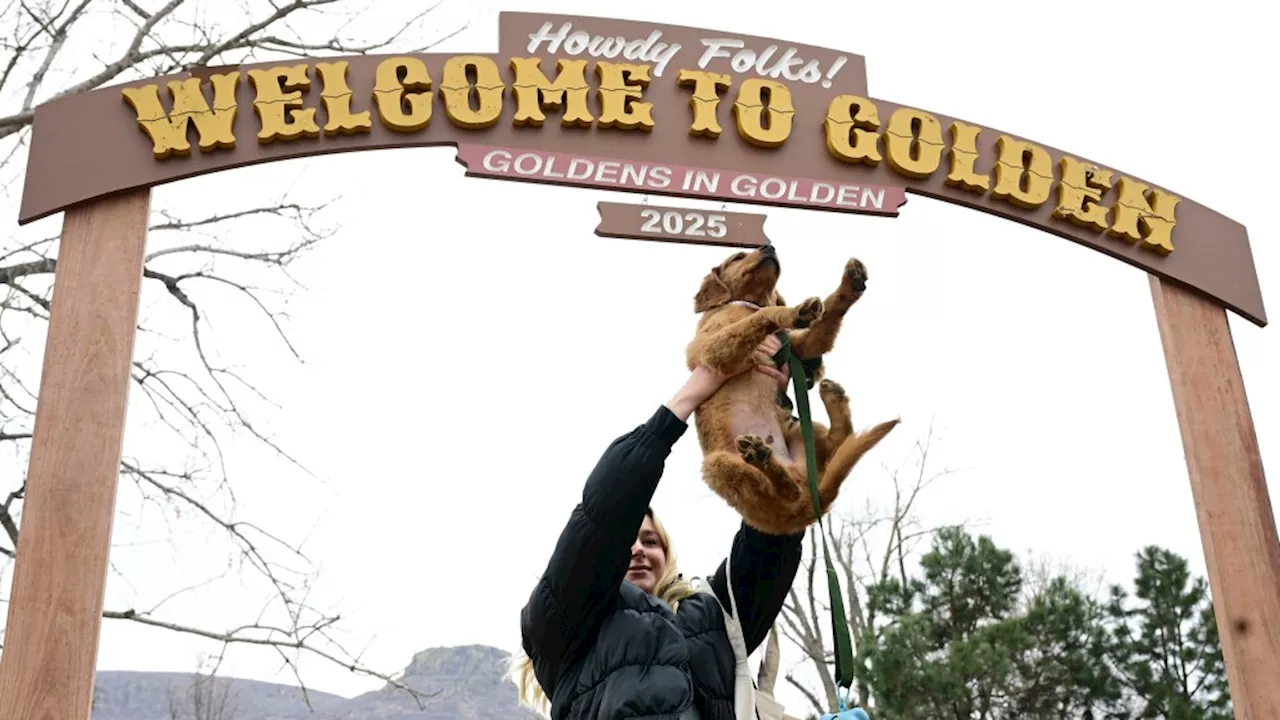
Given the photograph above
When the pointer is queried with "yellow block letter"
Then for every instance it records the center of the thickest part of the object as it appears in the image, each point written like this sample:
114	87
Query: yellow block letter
1024	173
1080	192
1137	209
456	91
964	154
336	96
398	109
850	125
761	122
705	99
168	132
621	87
279	93
913	142
534	92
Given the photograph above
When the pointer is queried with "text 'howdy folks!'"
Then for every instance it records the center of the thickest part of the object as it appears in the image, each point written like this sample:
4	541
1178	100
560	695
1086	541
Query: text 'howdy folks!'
767	63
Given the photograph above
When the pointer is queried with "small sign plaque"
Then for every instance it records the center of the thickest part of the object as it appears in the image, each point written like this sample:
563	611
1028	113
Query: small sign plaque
681	225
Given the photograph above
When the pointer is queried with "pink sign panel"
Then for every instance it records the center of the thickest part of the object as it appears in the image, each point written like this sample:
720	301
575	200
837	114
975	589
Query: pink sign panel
678	180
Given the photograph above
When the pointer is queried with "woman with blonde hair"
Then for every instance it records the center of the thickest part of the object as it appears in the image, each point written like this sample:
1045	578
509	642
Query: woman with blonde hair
612	630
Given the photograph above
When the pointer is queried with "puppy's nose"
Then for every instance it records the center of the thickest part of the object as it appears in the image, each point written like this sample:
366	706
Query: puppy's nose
768	249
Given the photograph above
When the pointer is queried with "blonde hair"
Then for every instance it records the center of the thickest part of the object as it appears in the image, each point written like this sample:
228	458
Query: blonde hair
671	589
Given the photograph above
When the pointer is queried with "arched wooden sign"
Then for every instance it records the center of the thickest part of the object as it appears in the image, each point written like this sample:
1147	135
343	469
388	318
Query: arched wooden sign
622	105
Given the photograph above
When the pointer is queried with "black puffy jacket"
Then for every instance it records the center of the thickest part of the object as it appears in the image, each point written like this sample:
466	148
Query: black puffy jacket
602	648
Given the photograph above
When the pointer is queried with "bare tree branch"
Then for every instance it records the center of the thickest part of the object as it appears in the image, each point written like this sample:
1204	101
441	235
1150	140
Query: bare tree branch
297	639
200	267
255	37
818	708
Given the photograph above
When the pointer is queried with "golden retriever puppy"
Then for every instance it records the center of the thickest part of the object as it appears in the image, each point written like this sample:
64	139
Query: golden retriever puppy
753	451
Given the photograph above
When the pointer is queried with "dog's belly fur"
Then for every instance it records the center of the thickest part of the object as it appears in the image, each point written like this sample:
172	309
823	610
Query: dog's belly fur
745	405
746	422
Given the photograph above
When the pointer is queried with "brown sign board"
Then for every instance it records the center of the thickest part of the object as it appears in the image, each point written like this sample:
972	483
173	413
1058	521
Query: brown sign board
638	92
681	225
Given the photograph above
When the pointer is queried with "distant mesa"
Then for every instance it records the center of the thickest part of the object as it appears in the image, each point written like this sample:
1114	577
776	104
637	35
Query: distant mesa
471	680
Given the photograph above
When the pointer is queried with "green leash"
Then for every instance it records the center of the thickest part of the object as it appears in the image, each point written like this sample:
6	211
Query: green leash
802	373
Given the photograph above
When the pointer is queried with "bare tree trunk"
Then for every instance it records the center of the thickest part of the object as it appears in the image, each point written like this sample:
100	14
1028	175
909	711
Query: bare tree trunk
209	697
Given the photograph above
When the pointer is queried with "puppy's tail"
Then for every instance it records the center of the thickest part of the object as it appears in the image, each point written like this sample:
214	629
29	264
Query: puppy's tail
848	455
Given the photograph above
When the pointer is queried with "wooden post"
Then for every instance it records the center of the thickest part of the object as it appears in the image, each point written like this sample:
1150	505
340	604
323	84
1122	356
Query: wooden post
60	575
1237	528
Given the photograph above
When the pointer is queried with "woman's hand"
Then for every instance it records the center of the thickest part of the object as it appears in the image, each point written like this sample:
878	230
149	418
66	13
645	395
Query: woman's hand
770	347
703	382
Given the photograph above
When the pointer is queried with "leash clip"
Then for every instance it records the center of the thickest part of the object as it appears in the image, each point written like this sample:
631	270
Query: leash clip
845	712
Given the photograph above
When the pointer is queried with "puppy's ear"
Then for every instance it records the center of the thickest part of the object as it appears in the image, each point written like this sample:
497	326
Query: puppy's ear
712	294
778	301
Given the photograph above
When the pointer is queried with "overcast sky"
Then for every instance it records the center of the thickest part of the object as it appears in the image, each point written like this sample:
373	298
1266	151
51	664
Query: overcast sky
472	347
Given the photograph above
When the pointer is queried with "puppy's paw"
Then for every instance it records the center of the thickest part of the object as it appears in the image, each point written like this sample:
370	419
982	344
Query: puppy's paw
808	313
855	274
831	390
754	450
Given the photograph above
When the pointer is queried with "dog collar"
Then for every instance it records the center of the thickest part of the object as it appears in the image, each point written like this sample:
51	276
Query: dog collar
745	304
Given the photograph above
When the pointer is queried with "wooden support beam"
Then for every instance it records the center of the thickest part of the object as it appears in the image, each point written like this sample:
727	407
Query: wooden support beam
60	574
1237	527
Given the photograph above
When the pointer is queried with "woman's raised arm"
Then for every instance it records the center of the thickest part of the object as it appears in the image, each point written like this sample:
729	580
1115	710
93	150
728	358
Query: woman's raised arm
580	584
581	581
764	566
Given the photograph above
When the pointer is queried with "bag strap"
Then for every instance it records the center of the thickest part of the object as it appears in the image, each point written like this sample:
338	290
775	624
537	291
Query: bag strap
802	380
744	687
